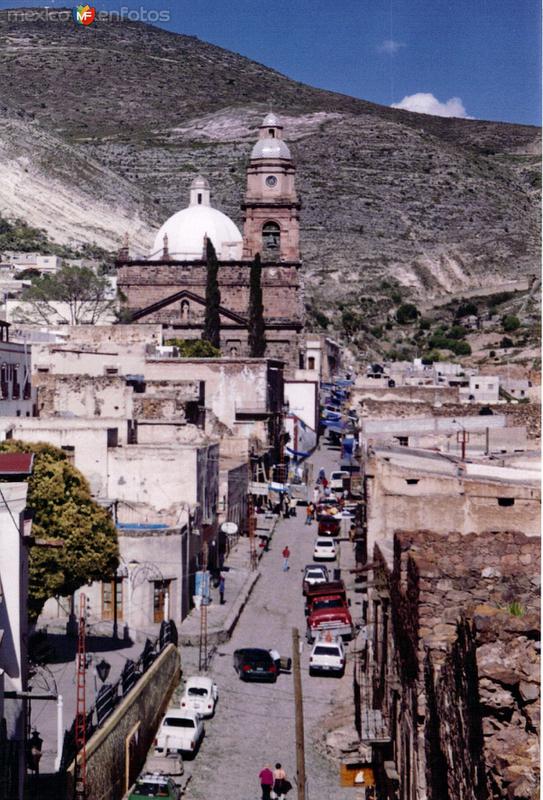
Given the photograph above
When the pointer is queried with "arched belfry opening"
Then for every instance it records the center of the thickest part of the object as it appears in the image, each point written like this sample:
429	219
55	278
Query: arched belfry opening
271	238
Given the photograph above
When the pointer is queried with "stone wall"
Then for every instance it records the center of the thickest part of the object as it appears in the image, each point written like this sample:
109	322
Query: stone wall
463	661
140	711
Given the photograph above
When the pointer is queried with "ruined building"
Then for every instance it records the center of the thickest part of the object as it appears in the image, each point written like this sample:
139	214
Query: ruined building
169	286
452	661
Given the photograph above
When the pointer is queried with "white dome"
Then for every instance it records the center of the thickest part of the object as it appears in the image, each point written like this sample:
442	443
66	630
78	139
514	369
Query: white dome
187	229
270	148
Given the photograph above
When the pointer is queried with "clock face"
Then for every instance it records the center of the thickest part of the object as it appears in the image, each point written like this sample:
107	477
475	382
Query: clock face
271	180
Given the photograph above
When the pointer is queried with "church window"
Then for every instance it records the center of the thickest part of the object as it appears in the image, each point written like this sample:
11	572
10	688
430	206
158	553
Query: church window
185	310
311	362
271	236
271	180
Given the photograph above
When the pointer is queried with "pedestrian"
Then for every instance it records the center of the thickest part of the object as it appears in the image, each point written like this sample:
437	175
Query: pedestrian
266	781
286	556
316	495
279	778
286	507
309	514
324	483
221	587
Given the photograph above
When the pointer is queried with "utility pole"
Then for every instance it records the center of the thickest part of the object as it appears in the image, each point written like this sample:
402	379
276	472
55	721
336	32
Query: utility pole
81	714
299	714
251	530
202	654
462	437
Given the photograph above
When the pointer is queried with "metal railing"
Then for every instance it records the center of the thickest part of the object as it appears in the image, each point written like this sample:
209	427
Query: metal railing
111	694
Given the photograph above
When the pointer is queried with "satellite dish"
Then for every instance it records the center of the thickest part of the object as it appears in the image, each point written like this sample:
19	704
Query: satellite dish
229	527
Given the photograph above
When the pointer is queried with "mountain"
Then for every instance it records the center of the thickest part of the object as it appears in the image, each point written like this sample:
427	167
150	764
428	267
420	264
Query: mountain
389	197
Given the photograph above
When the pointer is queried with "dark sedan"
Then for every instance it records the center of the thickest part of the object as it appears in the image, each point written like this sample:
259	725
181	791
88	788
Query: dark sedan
253	664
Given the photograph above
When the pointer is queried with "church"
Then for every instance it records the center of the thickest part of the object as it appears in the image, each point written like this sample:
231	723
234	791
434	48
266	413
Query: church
169	286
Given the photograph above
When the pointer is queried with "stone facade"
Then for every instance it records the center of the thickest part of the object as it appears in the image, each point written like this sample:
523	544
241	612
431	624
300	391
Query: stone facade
453	659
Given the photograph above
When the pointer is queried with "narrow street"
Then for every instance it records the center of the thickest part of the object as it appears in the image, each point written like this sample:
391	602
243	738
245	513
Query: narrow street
254	722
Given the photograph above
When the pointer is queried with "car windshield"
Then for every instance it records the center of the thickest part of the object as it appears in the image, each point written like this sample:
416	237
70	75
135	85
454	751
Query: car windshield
333	603
151	790
315	575
323	650
197	691
325	543
178	722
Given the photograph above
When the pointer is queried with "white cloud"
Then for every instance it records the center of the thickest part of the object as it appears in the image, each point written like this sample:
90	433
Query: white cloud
426	103
390	47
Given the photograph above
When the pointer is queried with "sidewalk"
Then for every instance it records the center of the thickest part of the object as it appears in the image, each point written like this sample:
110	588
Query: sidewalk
239	583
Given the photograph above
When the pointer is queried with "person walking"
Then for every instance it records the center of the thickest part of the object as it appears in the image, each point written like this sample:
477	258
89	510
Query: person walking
286	507
286	556
316	494
309	514
266	781
279	778
221	587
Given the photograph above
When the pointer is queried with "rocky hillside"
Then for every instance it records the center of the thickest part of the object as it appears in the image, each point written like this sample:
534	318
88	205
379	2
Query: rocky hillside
437	206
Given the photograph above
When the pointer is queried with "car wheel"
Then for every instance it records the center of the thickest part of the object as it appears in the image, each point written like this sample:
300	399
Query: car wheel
311	671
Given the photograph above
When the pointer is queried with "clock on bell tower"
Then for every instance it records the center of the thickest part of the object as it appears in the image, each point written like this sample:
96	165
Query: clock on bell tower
271	208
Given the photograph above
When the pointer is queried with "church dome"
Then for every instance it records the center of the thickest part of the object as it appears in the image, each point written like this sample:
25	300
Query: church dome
186	230
270	148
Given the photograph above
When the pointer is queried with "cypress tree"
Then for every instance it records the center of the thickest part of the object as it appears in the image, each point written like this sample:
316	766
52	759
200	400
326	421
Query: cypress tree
212	324
257	327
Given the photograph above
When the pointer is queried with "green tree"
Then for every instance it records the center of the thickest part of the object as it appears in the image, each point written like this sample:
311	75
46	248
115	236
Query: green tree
457	332
73	296
212	323
407	313
65	514
194	348
257	326
461	348
510	323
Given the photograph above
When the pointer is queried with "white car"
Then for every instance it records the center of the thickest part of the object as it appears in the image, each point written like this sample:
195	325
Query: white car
200	695
336	480
180	731
324	550
327	655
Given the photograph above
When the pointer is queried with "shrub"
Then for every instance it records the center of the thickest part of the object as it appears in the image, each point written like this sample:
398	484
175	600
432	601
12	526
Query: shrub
466	309
194	348
461	348
510	323
506	342
424	324
457	332
407	313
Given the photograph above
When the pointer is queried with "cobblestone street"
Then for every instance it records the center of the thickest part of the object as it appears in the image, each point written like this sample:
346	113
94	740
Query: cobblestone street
254	722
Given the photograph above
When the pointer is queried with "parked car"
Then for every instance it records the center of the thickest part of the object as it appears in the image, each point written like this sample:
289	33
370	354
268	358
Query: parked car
314	573
200	695
155	784
336	480
327	655
180	731
254	664
324	550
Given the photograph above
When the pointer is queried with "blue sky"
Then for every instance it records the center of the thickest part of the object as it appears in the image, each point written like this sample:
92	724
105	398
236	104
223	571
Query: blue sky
478	58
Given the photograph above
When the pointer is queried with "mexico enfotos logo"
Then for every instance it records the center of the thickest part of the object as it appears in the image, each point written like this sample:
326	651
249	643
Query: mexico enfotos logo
85	15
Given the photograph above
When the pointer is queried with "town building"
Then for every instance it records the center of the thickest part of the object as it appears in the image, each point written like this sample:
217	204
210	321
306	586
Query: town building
15	531
169	286
16	394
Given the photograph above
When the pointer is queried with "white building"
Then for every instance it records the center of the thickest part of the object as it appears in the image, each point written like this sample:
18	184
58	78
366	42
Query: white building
481	389
14	541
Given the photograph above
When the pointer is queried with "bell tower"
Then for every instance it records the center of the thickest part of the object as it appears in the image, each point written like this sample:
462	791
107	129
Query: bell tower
271	208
